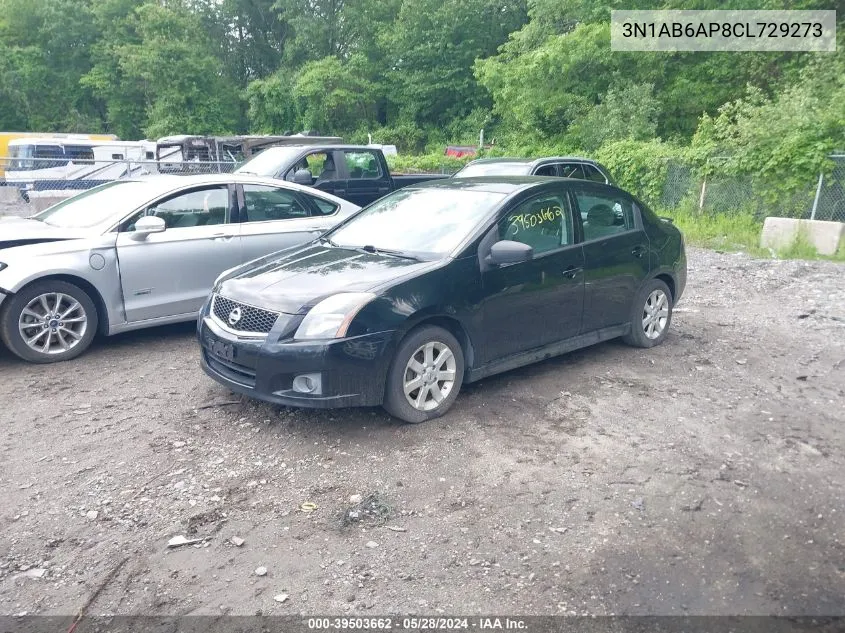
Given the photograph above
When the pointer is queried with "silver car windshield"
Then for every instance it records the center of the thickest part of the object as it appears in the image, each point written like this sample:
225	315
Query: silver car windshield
494	169
424	222
267	162
111	201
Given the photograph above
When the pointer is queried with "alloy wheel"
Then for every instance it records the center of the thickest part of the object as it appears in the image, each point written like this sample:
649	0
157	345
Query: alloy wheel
655	314
53	323
429	376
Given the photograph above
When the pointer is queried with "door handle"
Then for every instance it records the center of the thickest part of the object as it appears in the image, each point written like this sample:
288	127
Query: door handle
638	251
572	272
222	237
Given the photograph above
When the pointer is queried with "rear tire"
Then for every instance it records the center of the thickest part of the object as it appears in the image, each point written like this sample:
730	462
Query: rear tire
425	376
48	322
651	315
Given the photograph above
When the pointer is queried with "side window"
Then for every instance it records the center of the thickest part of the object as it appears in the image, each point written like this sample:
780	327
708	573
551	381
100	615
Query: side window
604	213
320	164
79	153
362	165
324	206
49	156
200	207
271	203
572	170
546	170
544	223
594	174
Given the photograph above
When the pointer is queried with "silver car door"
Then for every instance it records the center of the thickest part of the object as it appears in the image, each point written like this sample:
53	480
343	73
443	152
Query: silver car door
171	273
273	218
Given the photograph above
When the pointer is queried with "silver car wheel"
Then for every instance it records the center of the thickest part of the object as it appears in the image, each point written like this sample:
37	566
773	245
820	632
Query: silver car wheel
655	314
429	376
53	323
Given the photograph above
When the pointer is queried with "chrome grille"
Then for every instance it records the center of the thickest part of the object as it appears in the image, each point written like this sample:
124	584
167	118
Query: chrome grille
253	320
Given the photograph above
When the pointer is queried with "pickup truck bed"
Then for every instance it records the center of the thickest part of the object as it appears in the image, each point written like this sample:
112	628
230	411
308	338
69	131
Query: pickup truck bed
406	180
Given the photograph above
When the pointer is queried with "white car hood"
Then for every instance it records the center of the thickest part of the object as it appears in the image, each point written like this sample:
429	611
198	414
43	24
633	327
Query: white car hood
22	231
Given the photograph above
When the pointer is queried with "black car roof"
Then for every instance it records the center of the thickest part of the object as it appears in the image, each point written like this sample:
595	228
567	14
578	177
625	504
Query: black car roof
494	184
529	161
324	147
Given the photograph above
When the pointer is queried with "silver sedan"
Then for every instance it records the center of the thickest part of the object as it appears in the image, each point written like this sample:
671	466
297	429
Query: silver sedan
137	253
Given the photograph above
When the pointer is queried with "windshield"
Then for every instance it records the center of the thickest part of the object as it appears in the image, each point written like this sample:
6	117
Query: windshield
494	169
268	162
111	201
26	157
427	223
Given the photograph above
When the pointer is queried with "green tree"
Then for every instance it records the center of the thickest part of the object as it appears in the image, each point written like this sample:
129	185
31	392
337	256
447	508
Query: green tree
46	50
124	95
433	45
184	84
541	92
784	139
334	97
624	113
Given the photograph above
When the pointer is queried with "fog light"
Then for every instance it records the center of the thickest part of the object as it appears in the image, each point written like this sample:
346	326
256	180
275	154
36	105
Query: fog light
308	383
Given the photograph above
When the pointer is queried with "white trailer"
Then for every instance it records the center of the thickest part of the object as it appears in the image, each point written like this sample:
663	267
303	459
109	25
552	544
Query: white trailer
62	166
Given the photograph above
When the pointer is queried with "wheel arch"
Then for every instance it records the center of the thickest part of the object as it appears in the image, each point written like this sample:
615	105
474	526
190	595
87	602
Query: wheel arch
448	323
667	279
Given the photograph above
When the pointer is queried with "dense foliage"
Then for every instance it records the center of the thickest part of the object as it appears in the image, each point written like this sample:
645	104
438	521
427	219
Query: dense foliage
537	75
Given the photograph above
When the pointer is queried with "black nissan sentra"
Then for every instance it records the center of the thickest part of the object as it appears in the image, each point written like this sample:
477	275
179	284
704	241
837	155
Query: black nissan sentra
440	284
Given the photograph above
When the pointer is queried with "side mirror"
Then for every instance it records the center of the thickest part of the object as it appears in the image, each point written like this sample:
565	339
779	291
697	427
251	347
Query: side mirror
303	177
146	226
509	252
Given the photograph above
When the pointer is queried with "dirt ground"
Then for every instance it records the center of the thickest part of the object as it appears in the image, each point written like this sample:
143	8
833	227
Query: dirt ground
706	476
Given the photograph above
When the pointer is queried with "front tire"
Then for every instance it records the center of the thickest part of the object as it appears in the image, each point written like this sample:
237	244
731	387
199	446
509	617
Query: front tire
651	315
425	376
48	322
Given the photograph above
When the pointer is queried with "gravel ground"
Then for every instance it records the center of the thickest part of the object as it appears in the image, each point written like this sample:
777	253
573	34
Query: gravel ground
702	477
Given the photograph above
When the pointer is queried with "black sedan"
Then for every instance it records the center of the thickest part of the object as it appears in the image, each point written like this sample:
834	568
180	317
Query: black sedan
441	284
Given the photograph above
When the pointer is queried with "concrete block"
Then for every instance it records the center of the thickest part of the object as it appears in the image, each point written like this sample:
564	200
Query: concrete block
782	232
38	204
9	195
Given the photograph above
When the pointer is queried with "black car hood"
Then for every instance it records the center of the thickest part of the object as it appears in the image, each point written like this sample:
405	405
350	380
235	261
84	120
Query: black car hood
22	231
295	281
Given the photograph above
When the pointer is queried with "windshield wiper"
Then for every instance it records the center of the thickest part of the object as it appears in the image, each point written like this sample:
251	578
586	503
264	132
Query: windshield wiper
325	240
248	173
369	248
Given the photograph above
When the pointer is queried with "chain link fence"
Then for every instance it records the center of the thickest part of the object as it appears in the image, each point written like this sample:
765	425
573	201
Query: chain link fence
822	198
30	185
829	202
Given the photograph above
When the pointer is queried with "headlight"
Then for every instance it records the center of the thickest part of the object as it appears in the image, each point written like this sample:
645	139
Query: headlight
331	317
2	266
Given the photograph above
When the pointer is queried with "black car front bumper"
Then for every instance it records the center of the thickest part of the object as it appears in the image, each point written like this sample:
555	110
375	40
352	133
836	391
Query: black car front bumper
352	371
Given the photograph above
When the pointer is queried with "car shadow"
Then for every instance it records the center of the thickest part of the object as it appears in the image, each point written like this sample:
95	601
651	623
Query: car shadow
146	335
